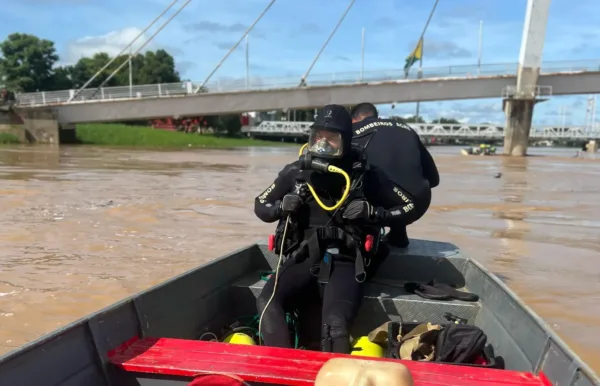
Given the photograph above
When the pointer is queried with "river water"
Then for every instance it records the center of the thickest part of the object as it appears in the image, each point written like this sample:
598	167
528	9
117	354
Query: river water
82	227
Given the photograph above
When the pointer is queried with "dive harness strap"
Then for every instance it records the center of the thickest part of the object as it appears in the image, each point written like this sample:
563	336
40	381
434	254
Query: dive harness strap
315	248
293	237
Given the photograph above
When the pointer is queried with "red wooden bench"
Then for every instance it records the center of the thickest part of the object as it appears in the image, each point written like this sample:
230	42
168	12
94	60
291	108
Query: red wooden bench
189	358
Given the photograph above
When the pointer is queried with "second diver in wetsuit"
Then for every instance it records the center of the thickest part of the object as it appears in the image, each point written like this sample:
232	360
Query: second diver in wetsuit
402	172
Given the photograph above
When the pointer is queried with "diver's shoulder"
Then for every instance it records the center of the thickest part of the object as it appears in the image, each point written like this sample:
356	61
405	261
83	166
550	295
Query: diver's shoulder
292	167
368	125
403	125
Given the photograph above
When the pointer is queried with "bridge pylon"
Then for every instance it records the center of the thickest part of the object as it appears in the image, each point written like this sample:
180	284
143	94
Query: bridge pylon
518	109
520	100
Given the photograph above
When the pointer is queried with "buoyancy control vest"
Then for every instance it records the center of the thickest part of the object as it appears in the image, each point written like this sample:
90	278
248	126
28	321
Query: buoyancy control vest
334	239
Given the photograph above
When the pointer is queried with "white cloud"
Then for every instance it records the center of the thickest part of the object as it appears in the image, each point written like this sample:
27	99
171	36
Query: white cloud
111	43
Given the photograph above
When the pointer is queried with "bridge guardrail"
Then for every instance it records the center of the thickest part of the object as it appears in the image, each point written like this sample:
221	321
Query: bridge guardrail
228	85
436	130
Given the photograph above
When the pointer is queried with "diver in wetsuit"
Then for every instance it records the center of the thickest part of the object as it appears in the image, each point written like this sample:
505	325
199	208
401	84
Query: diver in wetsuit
321	251
402	170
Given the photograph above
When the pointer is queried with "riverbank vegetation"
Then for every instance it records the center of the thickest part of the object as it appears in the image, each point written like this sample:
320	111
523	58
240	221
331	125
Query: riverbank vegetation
28	64
143	136
8	138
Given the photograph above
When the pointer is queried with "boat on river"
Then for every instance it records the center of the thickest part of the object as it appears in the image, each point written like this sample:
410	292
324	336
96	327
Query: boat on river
153	338
482	149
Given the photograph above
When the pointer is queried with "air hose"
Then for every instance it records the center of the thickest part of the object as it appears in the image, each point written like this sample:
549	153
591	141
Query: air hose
287	221
333	169
330	169
302	149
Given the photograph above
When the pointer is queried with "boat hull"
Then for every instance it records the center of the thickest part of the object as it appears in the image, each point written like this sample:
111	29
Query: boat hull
211	296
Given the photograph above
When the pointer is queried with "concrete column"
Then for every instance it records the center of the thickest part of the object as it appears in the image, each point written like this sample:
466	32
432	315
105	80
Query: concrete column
519	105
40	124
519	113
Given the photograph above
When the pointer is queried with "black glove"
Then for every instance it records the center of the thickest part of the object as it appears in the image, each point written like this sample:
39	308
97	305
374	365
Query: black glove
291	203
362	210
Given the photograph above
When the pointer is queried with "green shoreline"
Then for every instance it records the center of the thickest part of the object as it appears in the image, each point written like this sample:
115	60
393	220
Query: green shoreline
8	138
144	136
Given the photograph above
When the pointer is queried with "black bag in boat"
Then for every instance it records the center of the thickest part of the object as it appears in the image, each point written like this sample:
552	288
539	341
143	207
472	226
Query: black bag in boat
460	343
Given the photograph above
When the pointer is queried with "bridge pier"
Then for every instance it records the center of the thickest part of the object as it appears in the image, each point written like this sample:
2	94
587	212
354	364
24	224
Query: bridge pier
519	117
520	100
40	125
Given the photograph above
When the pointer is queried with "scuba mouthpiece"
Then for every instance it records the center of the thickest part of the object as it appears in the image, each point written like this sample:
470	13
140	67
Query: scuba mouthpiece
308	162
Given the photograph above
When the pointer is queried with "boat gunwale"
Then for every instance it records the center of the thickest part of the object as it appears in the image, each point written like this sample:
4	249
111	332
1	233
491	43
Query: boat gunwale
124	301
551	335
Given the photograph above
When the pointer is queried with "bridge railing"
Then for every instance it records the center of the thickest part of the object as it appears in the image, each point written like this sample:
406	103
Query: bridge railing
300	129
339	78
106	94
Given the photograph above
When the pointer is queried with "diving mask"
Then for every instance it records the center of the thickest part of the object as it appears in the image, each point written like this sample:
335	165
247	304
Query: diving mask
325	143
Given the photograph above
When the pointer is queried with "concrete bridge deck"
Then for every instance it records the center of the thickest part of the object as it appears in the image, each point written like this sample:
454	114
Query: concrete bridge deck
561	78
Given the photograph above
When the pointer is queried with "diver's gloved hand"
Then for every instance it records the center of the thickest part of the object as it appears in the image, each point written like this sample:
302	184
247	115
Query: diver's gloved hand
362	210
291	203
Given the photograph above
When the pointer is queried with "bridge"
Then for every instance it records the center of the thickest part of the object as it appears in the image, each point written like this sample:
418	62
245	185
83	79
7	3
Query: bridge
299	131
520	85
440	83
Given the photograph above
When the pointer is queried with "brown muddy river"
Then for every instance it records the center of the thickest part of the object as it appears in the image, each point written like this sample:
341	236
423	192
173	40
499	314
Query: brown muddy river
83	227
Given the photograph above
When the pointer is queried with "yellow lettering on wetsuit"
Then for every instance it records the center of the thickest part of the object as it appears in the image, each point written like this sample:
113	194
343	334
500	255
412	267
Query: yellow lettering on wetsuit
401	195
263	195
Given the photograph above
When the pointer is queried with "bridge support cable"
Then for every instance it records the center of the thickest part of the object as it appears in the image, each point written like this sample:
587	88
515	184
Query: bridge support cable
303	79
122	51
235	46
142	46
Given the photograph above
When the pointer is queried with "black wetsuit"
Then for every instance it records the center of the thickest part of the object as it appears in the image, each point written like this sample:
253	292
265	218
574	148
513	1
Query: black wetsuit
402	172
341	296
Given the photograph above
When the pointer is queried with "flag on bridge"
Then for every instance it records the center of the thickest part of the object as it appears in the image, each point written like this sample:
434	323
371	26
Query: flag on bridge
414	57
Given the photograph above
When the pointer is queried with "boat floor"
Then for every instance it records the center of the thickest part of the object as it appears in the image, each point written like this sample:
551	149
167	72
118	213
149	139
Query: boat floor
158	358
384	299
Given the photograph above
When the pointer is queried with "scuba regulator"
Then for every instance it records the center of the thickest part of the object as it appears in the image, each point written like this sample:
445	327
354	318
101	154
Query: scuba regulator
308	162
369	235
353	190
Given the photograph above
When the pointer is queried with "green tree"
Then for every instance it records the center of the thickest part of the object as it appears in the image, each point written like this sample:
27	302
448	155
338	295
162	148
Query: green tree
61	79
155	67
229	125
306	115
447	121
414	119
85	68
137	70
151	68
27	61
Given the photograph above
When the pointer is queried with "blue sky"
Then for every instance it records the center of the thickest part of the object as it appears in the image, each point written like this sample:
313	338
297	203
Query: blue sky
286	40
